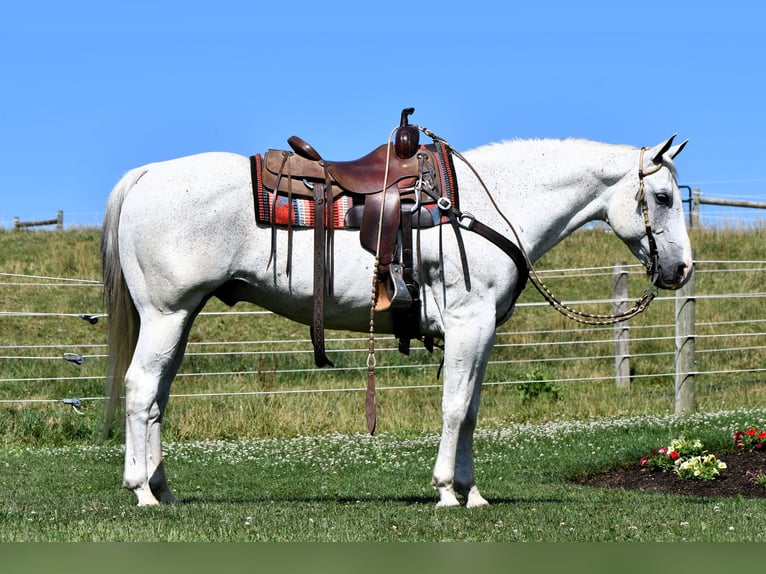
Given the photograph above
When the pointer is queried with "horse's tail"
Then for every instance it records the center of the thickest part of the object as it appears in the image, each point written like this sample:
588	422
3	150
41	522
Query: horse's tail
123	321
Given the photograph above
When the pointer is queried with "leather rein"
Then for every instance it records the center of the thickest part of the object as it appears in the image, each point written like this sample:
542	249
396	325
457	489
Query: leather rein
639	306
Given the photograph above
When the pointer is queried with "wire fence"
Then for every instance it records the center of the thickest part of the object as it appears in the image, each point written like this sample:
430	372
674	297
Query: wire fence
68	364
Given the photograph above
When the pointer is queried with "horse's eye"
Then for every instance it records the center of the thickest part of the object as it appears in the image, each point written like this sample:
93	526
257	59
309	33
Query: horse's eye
663	198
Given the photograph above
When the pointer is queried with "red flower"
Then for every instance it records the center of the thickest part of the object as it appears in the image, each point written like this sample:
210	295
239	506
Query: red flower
674	455
644	460
762	435
750	432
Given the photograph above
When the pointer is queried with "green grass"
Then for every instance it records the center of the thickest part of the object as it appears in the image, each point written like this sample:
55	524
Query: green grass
74	254
362	488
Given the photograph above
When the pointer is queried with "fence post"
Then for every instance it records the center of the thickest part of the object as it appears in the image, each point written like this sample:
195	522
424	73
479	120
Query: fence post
685	401
60	220
621	329
695	208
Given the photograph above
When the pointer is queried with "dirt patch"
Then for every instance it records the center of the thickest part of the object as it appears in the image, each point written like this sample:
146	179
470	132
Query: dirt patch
732	482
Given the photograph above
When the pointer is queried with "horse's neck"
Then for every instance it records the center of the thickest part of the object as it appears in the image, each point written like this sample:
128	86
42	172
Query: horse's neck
547	188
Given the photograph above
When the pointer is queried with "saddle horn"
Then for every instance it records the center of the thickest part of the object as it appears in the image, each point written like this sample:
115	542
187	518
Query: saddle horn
406	137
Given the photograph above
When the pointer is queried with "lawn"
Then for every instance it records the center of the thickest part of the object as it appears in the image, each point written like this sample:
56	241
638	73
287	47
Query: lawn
359	488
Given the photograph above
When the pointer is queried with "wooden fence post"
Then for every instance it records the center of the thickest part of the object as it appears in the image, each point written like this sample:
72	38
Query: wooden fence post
695	208
621	329
685	365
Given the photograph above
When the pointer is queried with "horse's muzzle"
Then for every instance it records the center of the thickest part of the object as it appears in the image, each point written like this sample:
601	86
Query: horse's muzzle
675	279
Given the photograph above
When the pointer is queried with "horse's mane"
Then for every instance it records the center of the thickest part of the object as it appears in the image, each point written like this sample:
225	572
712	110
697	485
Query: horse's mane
520	147
545	143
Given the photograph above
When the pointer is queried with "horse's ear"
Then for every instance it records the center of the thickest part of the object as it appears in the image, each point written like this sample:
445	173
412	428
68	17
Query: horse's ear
658	151
675	150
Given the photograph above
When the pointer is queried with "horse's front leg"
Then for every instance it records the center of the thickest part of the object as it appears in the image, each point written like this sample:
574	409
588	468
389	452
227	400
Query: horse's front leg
466	353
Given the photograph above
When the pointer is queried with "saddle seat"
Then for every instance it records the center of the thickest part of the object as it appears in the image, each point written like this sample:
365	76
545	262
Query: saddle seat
362	176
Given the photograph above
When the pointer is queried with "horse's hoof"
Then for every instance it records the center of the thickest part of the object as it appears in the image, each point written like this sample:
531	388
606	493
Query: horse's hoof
447	498
146	501
144	495
474	499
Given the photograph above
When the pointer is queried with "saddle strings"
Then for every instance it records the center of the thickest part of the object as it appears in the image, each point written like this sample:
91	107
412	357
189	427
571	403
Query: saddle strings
576	315
370	404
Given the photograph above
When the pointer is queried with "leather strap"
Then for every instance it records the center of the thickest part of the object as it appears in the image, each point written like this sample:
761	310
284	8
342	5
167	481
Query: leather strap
370	405
509	248
329	233
285	156
317	326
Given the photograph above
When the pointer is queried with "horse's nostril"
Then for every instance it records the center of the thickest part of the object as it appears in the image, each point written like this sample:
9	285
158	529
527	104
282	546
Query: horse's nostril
683	273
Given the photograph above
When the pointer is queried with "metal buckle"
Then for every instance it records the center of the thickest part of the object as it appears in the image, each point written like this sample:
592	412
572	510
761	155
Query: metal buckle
461	220
444	203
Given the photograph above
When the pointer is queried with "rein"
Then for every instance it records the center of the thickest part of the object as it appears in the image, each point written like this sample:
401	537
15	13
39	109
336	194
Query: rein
639	306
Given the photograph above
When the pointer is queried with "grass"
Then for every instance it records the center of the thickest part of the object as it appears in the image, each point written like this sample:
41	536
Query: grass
293	467
360	488
44	376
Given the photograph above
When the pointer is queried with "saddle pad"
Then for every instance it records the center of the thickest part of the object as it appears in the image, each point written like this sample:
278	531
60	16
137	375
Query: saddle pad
274	209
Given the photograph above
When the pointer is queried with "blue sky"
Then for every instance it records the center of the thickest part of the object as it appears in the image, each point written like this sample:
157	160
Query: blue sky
92	89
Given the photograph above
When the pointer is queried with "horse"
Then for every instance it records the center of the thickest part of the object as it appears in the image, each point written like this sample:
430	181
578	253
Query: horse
178	232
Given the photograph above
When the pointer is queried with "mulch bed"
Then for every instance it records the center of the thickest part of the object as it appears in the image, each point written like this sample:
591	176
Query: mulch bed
733	481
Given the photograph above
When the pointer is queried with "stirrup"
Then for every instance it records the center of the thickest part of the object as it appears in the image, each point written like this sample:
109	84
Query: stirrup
393	293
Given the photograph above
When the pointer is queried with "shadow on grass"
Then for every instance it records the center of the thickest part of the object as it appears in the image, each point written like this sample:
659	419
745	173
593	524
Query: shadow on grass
405	500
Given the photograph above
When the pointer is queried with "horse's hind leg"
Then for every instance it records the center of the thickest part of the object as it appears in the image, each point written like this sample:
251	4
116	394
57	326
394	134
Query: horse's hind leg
156	360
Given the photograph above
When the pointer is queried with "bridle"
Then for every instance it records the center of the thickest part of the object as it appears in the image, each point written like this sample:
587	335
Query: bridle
653	266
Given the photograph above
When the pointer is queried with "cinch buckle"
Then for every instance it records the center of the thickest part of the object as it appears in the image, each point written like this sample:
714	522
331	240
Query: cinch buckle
466	220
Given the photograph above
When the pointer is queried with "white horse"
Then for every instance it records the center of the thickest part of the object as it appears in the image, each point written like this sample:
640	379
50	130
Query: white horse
179	232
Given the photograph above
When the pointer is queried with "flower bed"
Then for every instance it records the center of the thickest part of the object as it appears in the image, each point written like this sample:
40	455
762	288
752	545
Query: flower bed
683	467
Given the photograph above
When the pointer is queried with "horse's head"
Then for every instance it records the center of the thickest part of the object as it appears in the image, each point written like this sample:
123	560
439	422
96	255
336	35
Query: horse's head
651	220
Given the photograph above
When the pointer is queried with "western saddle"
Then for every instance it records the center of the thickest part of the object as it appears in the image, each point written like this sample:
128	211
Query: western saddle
394	189
386	194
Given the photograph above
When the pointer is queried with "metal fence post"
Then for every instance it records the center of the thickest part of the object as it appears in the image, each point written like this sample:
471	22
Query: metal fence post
621	329
685	366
